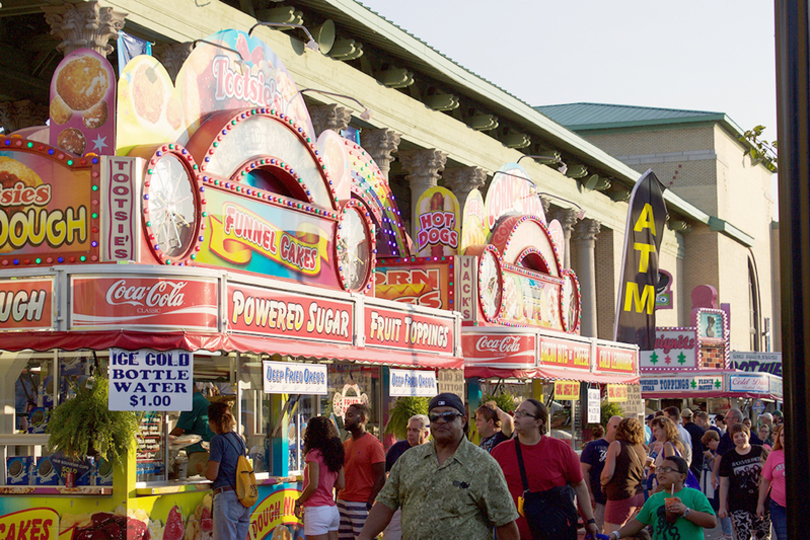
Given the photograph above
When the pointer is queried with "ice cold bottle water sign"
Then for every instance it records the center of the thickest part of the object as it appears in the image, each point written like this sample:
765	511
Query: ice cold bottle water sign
149	380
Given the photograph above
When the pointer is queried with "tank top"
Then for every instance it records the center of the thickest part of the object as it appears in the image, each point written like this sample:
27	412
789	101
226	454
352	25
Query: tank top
629	473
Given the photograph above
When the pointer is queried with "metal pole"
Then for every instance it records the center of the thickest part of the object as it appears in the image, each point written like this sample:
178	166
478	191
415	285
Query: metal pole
793	108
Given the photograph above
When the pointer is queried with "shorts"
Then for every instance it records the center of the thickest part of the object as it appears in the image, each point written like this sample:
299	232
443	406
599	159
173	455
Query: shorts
320	520
618	512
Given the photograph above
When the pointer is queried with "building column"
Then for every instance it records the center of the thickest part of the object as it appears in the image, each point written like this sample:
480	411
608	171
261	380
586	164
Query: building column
16	115
86	25
331	116
461	181
380	144
585	241
567	218
423	168
173	56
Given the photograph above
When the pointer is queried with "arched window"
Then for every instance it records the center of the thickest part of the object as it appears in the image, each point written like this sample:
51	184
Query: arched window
754	307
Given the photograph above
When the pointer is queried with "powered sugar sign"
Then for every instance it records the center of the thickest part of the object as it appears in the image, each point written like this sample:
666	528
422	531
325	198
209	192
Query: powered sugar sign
149	380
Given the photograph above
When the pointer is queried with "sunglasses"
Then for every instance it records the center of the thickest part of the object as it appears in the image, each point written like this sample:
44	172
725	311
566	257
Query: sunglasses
447	416
667	470
524	414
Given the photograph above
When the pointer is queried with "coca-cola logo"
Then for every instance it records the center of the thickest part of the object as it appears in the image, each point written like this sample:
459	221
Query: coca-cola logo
159	294
507	344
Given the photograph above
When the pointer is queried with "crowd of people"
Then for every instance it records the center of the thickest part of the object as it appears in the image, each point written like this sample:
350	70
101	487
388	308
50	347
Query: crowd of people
521	483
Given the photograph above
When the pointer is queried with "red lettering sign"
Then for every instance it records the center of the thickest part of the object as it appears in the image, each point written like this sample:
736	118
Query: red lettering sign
141	302
26	304
255	310
609	359
403	331
508	351
560	353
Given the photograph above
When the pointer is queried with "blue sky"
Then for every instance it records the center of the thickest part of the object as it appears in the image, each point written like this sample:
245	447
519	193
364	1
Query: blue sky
711	55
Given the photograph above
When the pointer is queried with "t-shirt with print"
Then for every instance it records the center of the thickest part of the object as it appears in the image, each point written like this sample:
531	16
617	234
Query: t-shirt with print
225	450
326	480
358	471
594	454
743	473
488	443
774	470
550	463
654	513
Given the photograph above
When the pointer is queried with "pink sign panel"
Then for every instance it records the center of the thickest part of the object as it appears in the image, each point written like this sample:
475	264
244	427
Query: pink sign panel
508	351
83	104
406	331
26	304
562	353
254	310
616	360
143	302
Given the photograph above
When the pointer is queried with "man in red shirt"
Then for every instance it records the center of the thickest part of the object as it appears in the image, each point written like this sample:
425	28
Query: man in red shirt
364	468
549	463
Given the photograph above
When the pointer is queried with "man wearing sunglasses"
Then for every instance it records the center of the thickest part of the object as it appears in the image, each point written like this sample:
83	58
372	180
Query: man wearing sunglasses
448	488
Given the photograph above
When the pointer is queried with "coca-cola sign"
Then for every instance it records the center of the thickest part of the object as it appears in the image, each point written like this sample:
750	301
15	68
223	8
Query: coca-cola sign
140	303
511	351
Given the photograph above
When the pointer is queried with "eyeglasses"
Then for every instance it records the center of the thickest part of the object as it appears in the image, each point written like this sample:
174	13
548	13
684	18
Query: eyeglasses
667	470
447	416
524	414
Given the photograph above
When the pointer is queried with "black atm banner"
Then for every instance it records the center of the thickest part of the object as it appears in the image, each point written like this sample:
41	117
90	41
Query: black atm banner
635	309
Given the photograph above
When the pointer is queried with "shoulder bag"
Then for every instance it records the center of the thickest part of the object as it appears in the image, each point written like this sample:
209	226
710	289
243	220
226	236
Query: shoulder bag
551	514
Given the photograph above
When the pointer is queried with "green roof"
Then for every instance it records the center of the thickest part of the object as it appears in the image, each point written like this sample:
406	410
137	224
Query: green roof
594	116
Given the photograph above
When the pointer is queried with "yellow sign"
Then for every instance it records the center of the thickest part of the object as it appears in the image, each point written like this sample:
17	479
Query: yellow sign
566	390
617	393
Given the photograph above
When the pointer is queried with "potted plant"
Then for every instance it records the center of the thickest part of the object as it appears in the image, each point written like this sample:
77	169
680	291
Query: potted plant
85	426
401	412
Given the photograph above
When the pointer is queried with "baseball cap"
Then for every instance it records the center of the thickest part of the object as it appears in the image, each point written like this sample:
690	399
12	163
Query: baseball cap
686	413
649	417
777	413
447	399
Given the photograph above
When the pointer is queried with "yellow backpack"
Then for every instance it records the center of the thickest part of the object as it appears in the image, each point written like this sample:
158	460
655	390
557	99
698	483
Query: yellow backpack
246	488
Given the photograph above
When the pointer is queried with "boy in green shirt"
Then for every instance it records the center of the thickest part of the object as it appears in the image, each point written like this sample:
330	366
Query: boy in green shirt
684	518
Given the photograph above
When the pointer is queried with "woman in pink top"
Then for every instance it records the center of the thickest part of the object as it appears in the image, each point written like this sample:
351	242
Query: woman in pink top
323	473
773	478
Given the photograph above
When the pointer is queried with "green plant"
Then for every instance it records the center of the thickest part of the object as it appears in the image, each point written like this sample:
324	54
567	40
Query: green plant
401	412
84	425
608	410
761	150
505	401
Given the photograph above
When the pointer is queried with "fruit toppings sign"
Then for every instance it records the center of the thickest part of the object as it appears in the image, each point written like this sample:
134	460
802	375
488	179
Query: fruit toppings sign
396	330
680	385
406	382
290	378
149	380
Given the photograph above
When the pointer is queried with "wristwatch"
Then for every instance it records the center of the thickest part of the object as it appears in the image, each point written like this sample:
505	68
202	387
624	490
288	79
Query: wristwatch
592	520
615	534
687	512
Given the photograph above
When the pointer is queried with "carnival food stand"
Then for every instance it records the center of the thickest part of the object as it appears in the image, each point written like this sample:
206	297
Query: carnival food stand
208	238
502	270
692	367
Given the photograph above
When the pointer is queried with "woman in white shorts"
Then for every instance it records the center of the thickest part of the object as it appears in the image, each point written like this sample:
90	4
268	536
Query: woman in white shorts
322	475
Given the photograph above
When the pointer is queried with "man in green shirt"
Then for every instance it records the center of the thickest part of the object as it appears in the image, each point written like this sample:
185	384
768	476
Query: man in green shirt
449	488
195	422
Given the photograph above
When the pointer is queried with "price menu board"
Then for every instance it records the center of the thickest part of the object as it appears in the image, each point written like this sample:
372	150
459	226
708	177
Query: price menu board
150	456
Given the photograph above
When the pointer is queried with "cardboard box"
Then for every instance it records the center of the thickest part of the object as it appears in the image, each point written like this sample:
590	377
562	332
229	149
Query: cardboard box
19	470
46	473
